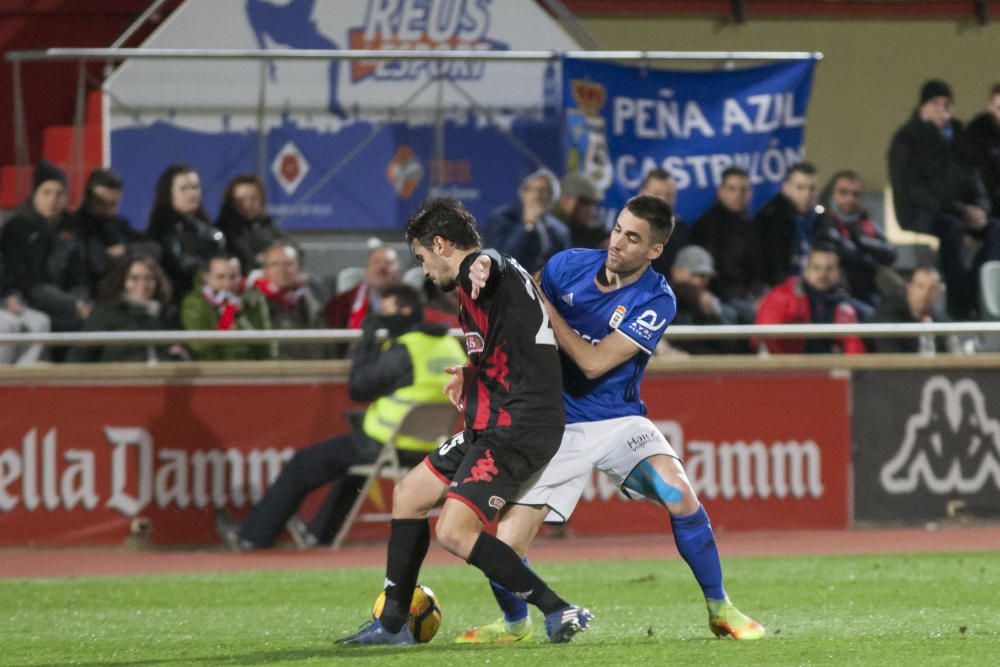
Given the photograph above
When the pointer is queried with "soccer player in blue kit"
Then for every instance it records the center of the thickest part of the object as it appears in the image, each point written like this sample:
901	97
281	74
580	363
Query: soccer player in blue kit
608	310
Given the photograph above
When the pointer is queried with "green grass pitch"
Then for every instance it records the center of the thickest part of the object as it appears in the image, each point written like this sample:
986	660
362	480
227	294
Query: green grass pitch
900	609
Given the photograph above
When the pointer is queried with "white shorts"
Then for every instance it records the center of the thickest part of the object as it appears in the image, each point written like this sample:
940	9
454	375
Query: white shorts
613	446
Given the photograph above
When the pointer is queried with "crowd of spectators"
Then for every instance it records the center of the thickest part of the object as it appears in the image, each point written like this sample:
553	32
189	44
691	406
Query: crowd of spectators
806	255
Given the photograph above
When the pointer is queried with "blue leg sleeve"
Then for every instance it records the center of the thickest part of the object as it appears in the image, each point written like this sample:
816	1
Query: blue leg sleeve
514	608
696	544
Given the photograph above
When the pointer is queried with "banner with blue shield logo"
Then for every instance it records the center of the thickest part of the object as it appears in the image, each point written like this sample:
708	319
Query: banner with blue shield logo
622	122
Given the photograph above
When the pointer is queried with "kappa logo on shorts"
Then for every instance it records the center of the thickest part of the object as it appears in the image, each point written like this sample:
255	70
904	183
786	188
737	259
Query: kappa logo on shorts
497	503
483	471
473	343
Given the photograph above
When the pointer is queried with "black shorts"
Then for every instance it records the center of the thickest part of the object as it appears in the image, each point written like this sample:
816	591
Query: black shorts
484	469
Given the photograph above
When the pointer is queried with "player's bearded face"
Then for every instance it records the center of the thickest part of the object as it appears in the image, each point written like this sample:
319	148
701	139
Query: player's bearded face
435	267
630	247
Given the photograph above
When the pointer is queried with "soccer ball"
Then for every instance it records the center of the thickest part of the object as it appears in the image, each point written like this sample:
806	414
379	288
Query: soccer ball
425	613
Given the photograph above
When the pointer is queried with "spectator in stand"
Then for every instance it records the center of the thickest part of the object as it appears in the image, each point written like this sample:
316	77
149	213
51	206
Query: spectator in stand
27	243
15	317
865	254
981	141
728	234
347	310
786	224
576	208
281	291
936	192
95	237
244	221
917	302
526	230
136	296
407	368
218	306
814	297
660	184
181	226
696	305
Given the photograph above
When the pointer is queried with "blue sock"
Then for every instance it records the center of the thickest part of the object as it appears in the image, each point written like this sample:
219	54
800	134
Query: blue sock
514	608
696	544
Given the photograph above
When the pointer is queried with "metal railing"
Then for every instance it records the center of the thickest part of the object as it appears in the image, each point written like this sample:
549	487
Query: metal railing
713	332
109	54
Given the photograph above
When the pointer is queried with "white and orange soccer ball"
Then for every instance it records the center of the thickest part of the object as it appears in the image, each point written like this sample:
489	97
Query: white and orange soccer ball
425	613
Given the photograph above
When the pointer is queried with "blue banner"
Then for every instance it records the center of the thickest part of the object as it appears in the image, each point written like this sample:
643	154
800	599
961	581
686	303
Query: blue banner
622	122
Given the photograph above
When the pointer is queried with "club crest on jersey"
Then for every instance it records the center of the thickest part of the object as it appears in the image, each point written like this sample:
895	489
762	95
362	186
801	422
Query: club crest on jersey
568	298
473	343
617	317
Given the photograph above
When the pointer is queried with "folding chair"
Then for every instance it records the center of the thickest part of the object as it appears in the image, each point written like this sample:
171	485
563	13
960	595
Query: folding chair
425	421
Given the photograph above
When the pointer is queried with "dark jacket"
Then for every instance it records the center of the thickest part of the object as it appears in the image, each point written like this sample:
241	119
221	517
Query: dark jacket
895	309
505	232
781	253
29	244
248	238
732	240
924	169
80	251
689	313
861	247
123	315
186	242
981	147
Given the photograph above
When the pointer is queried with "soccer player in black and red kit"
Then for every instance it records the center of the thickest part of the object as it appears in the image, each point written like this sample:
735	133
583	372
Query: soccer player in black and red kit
511	395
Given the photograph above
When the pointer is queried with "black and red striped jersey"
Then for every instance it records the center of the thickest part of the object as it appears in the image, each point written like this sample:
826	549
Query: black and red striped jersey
513	377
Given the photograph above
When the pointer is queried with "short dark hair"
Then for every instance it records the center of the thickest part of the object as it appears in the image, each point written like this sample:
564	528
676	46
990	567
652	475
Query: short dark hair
406	297
104	178
806	168
656	212
206	266
824	246
656	175
444	217
733	171
995	90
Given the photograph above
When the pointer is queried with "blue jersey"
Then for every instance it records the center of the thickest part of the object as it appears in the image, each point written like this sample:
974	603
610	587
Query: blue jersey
641	311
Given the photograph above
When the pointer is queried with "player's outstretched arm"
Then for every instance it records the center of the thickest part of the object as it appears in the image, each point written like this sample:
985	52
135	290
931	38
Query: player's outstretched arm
593	360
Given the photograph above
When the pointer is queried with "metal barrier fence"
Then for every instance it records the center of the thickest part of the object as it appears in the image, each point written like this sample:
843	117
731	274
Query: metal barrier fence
716	332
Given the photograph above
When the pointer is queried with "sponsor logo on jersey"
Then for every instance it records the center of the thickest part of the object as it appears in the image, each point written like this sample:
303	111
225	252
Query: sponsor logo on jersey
951	446
617	317
497	503
474	343
646	325
568	298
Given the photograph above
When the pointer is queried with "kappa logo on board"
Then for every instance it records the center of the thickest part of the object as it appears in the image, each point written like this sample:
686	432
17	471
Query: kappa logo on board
951	445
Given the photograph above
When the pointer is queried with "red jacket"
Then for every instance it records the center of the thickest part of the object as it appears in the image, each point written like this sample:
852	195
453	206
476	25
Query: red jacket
788	303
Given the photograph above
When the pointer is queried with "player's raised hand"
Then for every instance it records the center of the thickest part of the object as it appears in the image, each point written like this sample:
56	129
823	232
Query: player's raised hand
479	273
453	389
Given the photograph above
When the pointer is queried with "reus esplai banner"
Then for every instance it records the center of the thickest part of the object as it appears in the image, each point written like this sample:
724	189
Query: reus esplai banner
623	121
